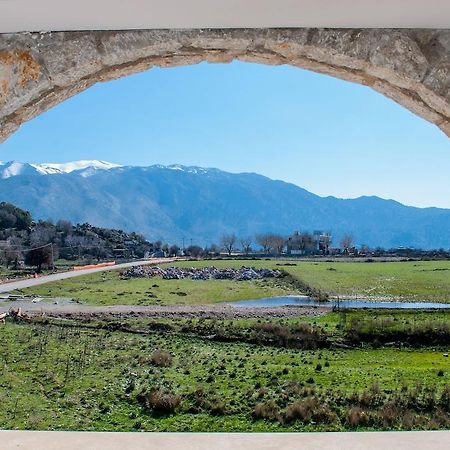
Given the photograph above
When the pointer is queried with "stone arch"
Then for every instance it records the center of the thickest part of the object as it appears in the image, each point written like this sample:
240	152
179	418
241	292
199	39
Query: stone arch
40	70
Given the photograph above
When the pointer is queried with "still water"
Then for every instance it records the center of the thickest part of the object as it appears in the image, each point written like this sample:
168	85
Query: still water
357	304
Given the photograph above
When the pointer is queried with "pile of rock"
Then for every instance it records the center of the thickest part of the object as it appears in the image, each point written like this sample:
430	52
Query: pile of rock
202	273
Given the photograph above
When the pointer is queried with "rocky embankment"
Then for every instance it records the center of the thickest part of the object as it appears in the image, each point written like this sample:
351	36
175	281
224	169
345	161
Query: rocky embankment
201	273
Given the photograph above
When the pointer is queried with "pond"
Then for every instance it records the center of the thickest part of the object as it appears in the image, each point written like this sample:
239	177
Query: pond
356	304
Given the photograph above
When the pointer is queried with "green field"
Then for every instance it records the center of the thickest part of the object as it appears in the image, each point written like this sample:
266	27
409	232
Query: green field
411	280
73	378
109	288
418	281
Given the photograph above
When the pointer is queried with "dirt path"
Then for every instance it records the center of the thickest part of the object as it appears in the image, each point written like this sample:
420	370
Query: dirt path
68	309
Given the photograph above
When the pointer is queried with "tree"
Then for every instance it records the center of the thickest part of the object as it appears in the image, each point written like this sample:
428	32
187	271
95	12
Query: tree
246	244
264	241
277	243
174	250
346	242
365	250
39	256
23	219
12	253
214	249
64	227
7	220
271	243
194	250
228	242
42	234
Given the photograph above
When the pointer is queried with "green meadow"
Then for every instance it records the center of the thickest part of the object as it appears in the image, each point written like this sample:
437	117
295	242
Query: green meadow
417	281
90	376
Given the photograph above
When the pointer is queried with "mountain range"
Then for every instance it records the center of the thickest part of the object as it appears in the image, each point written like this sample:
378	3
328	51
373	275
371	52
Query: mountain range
175	202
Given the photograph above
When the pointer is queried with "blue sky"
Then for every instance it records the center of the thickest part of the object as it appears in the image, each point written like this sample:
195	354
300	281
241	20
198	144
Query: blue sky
326	135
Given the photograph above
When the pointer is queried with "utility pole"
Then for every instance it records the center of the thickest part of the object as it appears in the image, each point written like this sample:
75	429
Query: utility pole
53	259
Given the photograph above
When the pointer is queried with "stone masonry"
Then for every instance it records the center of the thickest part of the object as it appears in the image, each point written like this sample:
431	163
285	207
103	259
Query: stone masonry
40	70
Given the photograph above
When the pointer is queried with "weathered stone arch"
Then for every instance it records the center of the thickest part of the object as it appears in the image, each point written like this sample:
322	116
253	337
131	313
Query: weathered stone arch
40	70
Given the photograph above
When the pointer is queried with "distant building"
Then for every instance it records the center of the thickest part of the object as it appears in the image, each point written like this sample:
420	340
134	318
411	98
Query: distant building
317	243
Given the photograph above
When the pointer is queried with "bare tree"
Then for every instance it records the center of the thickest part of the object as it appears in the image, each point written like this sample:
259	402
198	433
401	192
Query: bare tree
64	226
12	252
265	242
365	249
346	241
214	249
277	243
246	244
228	242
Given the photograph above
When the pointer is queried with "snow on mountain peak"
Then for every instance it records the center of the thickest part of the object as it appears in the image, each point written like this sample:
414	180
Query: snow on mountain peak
11	169
73	166
14	168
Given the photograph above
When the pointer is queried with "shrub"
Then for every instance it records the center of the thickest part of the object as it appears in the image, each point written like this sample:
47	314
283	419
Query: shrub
262	392
356	417
310	409
160	401
390	414
301	410
217	407
267	410
444	400
161	358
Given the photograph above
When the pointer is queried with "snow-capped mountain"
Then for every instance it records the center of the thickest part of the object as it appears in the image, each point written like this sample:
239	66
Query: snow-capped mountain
172	202
15	168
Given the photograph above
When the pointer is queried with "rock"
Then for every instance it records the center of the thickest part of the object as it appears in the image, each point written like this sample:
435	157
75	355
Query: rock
38	71
203	273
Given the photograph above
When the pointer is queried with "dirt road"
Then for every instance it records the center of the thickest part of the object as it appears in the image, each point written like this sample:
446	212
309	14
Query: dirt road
65	308
22	284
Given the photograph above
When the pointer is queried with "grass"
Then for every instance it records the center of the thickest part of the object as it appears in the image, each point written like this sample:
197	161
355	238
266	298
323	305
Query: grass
5	271
417	281
408	280
339	371
60	264
108	288
56	377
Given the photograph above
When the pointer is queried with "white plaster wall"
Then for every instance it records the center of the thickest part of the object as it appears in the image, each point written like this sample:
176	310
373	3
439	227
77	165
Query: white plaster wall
54	15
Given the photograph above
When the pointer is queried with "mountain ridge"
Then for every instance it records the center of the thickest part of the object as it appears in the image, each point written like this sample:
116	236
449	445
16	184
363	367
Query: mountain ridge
172	202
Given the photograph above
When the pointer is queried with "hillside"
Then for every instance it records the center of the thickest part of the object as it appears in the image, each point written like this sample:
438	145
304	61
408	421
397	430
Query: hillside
172	202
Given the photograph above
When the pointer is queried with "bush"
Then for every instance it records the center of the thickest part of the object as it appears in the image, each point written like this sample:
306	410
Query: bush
444	400
356	417
160	401
301	410
161	358
310	409
217	407
267	410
